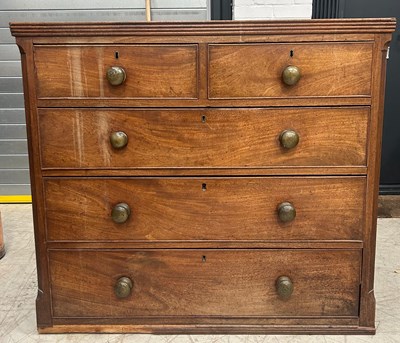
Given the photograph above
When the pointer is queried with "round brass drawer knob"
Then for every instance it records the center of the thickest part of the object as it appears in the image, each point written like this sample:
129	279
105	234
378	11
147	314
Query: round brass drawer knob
289	139
123	287
120	213
116	76
284	287
286	212
291	75
118	139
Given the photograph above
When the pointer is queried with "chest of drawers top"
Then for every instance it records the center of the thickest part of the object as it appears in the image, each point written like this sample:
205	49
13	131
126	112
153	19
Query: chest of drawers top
205	177
204	64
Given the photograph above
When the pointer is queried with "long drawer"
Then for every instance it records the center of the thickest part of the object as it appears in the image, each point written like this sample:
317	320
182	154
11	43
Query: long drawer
175	138
255	70
151	71
182	209
142	283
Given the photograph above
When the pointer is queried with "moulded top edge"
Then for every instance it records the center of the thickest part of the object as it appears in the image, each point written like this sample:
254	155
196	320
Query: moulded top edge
364	25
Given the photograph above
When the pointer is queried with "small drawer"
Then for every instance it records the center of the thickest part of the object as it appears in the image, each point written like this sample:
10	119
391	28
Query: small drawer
117	71
185	138
221	283
187	209
289	70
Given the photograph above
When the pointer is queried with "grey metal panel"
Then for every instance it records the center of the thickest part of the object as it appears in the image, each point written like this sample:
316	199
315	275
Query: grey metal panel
173	15
98	4
5	35
10	68
12	116
11	85
8	176
13	146
101	15
11	100
9	52
14	161
15	189
12	131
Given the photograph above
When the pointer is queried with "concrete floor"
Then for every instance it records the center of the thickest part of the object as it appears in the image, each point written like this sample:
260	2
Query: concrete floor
18	293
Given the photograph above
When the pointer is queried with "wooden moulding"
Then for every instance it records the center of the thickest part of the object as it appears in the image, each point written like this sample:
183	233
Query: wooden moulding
212	329
335	26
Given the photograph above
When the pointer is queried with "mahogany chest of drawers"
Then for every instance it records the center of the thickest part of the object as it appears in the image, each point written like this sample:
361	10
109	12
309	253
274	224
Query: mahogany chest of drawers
205	177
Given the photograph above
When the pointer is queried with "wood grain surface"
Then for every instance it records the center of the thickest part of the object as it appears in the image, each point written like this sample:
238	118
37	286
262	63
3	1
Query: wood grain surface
152	71
203	105
255	70
170	138
219	283
181	209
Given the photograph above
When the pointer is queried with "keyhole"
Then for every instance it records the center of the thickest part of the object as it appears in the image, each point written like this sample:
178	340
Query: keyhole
116	54
203	259
203	119
291	53
204	187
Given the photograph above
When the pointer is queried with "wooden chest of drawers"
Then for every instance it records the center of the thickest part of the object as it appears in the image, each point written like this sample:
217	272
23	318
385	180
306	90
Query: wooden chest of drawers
205	177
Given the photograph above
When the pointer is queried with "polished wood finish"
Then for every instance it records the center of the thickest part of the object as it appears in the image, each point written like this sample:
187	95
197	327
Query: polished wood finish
243	138
326	70
43	301
203	170
152	71
367	312
205	283
354	28
205	209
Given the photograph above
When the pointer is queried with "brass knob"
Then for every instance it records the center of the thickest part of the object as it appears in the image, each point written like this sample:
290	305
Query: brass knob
286	212
289	139
118	139
284	287
291	75
116	75
123	287
120	213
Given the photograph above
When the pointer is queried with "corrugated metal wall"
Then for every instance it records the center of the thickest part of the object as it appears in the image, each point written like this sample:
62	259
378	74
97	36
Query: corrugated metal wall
14	174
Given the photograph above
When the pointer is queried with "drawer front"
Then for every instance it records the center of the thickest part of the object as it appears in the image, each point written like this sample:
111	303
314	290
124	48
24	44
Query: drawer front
151	71
162	209
204	283
237	138
255	70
